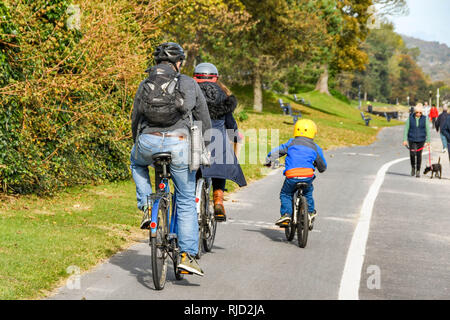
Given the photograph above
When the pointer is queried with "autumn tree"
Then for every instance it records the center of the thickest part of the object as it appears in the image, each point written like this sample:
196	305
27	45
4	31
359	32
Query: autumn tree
203	27
68	89
281	32
343	51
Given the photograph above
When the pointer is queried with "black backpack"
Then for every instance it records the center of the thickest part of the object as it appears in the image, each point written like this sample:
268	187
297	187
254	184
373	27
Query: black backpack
162	99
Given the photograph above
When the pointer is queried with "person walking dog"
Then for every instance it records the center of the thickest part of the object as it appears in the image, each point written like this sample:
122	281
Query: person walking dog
416	137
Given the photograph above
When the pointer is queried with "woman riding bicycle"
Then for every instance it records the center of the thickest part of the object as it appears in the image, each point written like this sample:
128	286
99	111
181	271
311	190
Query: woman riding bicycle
224	164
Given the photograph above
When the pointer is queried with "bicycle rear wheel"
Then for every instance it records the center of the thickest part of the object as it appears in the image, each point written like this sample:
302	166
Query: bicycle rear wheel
176	262
302	223
209	222
290	230
160	247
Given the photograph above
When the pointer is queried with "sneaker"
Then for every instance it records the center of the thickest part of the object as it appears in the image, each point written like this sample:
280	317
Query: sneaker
312	217
444	150
284	220
418	174
189	264
146	219
413	172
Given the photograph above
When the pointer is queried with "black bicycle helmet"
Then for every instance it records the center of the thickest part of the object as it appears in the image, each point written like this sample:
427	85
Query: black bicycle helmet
169	51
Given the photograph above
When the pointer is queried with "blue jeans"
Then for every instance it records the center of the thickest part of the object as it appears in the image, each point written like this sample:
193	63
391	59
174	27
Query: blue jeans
183	179
444	141
287	192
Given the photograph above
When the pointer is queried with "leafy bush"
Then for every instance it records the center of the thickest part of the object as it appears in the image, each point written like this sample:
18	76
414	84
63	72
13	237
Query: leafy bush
277	86
67	94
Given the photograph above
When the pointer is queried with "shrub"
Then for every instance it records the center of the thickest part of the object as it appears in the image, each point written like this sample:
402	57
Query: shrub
277	86
67	94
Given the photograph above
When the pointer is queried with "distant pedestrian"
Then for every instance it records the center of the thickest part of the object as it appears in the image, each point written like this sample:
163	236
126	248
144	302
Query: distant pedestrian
426	110
440	126
369	107
434	113
416	136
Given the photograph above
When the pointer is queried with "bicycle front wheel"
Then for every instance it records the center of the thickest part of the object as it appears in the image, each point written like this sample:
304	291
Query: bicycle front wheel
159	247
290	230
302	223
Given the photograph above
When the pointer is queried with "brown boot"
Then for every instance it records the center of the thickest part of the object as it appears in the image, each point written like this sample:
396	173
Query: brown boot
219	210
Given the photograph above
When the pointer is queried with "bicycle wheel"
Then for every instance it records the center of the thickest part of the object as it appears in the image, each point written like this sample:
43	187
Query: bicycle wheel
176	261
208	220
290	230
199	198
159	248
302	223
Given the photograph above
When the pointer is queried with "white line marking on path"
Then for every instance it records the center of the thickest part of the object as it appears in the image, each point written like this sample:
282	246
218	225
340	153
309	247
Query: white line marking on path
361	154
351	277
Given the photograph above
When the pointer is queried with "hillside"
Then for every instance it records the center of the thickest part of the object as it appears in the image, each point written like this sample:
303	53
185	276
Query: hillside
434	58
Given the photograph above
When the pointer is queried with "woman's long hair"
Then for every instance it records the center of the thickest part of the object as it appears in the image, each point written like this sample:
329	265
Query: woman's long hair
224	88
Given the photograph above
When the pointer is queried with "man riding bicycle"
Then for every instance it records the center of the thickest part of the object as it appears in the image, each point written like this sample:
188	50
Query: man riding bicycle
160	123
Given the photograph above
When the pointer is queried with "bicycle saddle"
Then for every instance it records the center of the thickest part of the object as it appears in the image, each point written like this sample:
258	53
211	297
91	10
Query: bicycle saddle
162	156
301	185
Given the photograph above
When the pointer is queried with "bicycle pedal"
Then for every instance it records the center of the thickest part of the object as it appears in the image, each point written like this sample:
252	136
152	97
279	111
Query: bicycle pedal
220	218
185	272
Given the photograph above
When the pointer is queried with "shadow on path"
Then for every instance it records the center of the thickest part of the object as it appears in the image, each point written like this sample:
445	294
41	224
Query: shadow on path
140	266
274	235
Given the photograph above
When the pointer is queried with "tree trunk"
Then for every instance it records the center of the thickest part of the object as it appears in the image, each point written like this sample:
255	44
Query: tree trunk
189	65
257	92
322	83
286	88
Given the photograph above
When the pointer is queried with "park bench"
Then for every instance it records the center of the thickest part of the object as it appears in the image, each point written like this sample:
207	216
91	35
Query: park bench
286	107
365	118
388	115
302	101
287	110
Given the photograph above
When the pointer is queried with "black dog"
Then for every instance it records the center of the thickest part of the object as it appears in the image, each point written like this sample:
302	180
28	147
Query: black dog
435	169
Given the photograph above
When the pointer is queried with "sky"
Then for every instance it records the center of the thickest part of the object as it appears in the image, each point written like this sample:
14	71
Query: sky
427	20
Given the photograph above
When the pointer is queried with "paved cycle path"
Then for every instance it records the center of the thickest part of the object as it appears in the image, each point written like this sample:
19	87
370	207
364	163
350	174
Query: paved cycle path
407	254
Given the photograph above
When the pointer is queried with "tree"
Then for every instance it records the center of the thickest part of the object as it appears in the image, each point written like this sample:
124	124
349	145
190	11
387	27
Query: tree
203	27
344	47
282	32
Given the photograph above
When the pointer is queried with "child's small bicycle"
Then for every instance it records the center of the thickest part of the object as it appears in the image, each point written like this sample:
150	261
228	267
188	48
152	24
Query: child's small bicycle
299	223
300	220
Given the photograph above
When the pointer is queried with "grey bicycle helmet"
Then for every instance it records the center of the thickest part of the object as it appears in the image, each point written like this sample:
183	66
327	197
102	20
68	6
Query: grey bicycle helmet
206	71
169	51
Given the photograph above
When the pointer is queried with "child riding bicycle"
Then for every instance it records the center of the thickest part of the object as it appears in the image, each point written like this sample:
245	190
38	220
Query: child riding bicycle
303	156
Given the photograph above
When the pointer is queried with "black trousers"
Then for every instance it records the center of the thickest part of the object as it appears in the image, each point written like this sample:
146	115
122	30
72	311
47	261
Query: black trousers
218	184
416	156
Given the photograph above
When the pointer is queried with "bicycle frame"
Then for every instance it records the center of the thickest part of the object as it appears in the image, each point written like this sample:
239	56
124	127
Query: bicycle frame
157	197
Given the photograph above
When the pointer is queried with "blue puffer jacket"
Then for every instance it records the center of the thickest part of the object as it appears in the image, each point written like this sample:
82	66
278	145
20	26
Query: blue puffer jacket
303	156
